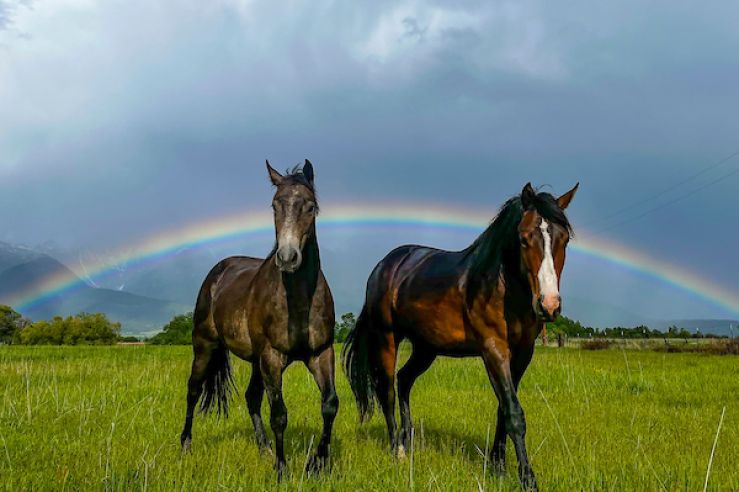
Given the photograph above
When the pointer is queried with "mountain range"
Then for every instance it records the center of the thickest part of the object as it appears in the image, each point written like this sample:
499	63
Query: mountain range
143	299
22	268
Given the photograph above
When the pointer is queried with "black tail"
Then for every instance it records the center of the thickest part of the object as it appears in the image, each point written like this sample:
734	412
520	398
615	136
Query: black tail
218	383
355	357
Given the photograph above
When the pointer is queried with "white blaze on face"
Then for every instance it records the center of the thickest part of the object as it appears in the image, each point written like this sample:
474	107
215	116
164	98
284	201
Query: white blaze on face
547	275
288	238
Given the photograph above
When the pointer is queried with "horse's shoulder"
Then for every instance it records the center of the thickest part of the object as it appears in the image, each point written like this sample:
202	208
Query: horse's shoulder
237	270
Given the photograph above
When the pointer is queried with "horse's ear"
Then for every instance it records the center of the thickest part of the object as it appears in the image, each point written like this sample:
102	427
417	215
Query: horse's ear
274	176
565	199
308	171
528	195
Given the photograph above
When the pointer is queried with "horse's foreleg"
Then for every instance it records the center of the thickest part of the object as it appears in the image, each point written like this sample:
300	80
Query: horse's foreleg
519	362
419	361
322	368
254	394
497	453
272	364
497	358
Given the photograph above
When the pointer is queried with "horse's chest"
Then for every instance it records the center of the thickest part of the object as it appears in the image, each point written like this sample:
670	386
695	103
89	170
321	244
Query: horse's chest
290	329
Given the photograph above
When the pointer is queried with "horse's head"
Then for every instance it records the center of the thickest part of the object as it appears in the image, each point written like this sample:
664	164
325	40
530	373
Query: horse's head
544	233
295	208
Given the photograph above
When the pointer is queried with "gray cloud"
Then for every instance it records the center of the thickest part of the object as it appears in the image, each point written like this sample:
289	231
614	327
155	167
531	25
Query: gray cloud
121	119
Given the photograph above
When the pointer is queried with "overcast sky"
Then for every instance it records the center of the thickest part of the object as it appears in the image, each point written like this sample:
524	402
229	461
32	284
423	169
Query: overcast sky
120	118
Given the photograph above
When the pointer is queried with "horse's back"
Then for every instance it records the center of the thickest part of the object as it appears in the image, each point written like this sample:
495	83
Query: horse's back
382	285
417	291
227	280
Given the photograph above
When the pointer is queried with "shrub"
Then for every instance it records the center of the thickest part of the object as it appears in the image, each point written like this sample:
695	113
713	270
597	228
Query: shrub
81	329
596	344
720	346
129	339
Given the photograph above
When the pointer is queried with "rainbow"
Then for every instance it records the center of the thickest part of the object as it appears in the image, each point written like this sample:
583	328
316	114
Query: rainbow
229	227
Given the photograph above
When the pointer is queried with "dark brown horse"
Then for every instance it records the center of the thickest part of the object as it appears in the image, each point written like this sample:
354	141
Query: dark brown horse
489	300
269	312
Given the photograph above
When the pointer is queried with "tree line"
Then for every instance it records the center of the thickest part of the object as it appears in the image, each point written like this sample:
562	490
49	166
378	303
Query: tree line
573	328
96	329
179	330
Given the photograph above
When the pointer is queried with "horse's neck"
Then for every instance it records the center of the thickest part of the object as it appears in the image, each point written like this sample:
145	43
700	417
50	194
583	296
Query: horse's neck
489	283
301	285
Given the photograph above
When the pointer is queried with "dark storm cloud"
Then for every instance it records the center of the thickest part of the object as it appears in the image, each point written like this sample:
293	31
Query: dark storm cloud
110	132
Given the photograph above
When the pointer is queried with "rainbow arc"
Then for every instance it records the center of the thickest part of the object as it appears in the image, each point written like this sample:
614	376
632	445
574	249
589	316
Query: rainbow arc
232	226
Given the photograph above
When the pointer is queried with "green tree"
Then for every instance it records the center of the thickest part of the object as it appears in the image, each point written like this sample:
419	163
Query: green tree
10	322
343	327
567	326
176	332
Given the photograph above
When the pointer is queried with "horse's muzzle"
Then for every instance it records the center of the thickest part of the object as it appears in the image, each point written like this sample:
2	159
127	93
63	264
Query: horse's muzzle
288	259
548	307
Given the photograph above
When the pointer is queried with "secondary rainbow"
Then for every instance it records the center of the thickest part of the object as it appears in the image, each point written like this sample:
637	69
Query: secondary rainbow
232	226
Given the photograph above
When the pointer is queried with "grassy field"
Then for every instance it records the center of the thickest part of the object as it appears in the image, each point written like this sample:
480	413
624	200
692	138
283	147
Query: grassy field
109	418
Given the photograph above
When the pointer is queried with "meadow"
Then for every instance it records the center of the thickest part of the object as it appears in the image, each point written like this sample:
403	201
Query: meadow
108	418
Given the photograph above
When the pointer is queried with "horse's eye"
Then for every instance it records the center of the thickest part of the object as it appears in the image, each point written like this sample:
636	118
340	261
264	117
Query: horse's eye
311	208
524	242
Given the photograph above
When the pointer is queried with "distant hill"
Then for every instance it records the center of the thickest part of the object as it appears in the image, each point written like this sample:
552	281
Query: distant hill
11	255
137	314
602	315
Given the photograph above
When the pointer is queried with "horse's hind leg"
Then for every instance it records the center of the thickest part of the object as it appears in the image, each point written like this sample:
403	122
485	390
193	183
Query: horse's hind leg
272	364
201	358
385	382
419	361
322	368
254	395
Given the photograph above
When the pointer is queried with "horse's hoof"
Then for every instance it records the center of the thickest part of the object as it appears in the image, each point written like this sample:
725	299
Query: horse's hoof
400	453
498	466
281	469
528	483
265	448
186	445
315	464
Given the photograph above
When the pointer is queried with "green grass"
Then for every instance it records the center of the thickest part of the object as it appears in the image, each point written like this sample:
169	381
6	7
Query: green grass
109	418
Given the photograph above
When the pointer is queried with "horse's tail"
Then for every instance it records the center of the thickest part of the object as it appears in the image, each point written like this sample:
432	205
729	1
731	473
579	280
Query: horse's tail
218	383
358	366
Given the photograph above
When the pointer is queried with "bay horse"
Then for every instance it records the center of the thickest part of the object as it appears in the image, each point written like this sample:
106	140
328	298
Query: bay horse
269	312
489	300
